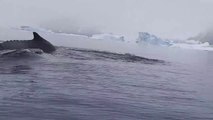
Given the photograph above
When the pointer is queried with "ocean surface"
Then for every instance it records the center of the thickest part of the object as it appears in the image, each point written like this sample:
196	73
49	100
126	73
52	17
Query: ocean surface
76	83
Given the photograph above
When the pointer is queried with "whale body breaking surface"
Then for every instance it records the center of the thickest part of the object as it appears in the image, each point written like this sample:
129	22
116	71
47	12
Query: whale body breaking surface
36	43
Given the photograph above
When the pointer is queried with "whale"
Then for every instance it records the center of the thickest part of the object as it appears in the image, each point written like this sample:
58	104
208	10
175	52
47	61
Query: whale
36	43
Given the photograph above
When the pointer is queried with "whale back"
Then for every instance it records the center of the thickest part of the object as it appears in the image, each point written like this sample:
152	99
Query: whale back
37	42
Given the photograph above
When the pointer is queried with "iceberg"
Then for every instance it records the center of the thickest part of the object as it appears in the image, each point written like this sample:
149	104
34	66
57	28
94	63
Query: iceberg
145	37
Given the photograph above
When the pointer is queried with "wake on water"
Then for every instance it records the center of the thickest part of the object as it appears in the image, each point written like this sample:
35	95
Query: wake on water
80	54
27	57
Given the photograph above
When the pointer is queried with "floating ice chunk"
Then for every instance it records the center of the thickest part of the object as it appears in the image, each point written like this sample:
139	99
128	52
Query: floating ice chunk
108	36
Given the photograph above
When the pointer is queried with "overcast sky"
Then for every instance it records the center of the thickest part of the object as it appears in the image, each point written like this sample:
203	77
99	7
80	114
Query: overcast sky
166	18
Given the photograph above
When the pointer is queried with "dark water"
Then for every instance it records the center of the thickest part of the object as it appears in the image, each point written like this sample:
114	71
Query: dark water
76	84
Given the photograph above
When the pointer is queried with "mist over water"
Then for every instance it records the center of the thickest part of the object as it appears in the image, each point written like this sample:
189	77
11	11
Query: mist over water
177	19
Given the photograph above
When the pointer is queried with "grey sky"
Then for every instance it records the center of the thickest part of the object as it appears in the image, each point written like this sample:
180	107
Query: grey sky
166	18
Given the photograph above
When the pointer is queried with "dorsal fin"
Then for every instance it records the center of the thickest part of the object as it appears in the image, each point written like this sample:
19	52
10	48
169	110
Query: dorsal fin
36	36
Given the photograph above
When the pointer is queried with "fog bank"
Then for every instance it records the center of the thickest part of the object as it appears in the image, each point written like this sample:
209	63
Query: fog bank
168	19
